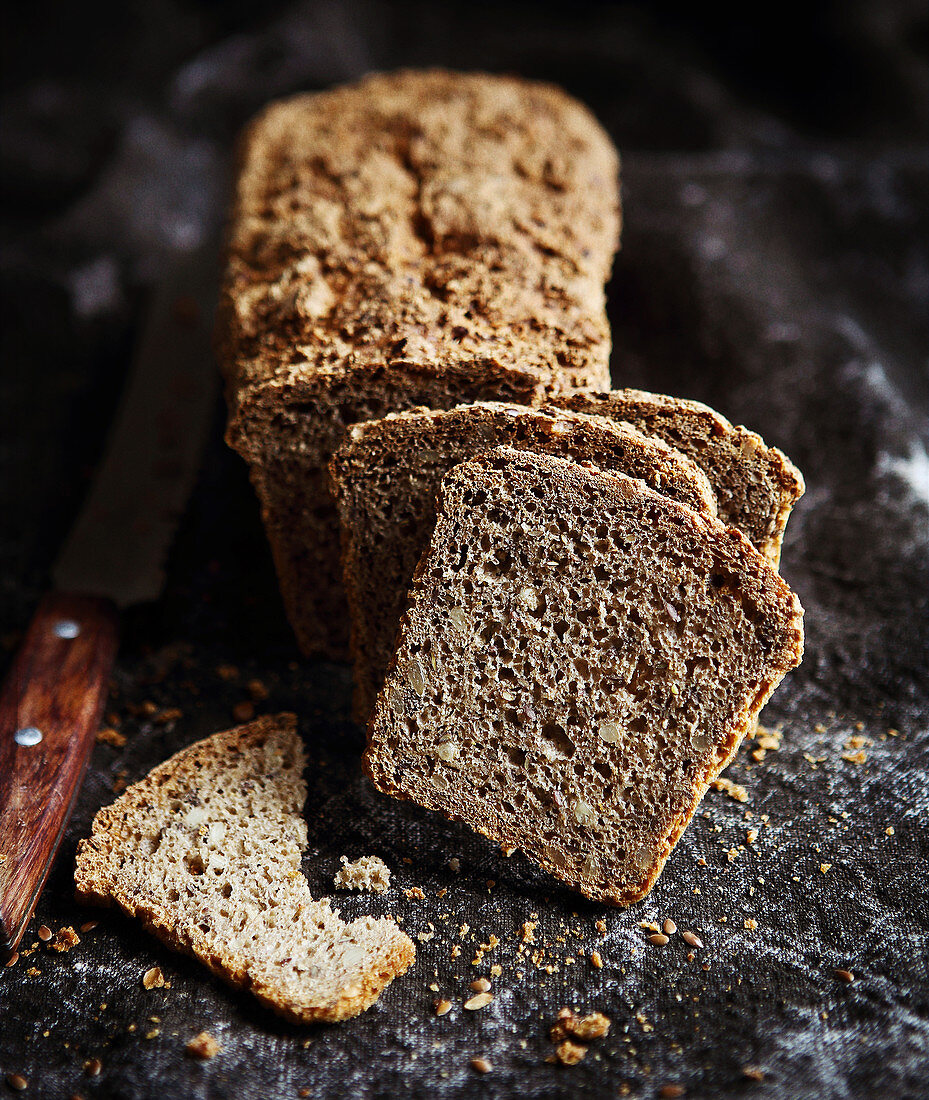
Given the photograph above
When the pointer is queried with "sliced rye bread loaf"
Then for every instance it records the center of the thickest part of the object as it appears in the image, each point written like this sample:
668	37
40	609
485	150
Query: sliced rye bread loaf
415	238
580	658
756	485
206	850
386	475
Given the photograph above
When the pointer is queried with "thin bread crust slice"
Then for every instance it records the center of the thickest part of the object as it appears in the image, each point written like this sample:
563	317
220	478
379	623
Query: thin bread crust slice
458	225
205	851
756	486
386	475
580	658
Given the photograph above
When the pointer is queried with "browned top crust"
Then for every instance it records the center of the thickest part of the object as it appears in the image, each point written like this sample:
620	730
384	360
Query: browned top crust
420	218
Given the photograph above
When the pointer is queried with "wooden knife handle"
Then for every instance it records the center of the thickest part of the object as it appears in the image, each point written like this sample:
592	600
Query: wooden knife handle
50	707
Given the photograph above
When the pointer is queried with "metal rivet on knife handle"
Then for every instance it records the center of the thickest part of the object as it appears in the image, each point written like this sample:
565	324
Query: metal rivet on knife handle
28	735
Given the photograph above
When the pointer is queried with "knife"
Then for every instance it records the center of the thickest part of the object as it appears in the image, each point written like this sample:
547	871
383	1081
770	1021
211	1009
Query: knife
53	697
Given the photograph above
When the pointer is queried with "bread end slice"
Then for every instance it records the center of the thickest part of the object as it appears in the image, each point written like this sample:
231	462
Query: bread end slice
581	656
206	852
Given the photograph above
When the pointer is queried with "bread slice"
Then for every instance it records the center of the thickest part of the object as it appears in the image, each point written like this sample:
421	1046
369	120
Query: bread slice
205	851
415	238
756	486
580	658
386	475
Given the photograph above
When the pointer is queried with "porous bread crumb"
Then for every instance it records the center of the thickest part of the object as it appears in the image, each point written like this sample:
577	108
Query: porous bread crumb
596	960
65	939
367	873
528	931
415	893
203	1046
734	790
751	924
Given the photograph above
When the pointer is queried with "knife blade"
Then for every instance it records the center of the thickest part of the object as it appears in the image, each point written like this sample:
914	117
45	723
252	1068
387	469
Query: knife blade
53	696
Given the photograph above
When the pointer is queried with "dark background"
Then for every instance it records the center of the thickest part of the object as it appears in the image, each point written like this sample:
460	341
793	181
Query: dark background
774	265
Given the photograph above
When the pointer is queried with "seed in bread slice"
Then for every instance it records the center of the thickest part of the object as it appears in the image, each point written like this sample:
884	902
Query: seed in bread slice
756	486
206	850
386	475
581	656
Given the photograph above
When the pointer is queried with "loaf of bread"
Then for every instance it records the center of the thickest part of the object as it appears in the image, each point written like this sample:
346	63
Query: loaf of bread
756	486
206	850
418	238
386	474
581	656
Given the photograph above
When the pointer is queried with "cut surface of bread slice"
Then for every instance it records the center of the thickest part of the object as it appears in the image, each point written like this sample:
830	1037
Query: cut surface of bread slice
206	850
386	475
462	225
580	658
756	486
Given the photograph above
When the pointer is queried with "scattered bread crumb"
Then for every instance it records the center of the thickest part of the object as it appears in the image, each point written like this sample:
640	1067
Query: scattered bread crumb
734	790
367	873
110	736
203	1046
415	893
154	979
569	1053
65	939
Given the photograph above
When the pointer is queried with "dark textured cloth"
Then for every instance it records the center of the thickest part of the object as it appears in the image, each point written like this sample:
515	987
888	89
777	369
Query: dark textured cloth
774	266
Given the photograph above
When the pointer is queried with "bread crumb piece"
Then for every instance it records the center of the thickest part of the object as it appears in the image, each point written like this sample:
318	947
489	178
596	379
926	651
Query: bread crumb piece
594	1026
751	924
824	867
203	1046
528	931
753	1073
454	864
154	979
600	926
671	1092
569	1053
244	711
65	939
889	831
109	736
415	893
596	960
367	873
734	790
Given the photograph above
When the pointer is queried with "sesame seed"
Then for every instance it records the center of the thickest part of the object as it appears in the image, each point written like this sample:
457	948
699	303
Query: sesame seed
670	1092
480	985
479	1000
17	1082
443	1006
658	939
669	927
692	938
89	925
481	1065
44	933
844	975
93	1067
